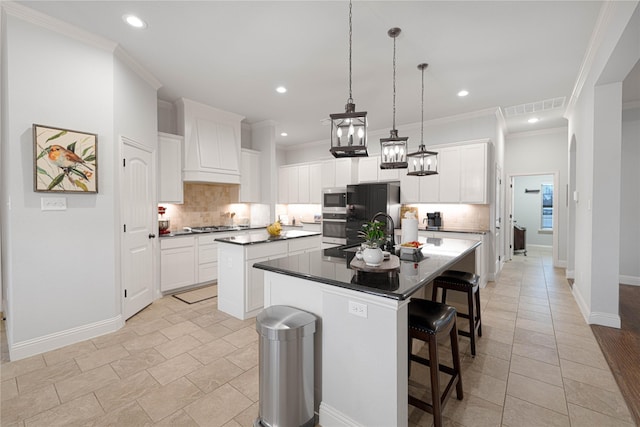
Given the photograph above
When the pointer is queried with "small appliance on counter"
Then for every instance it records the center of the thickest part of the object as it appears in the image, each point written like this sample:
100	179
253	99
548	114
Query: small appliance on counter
163	223
433	220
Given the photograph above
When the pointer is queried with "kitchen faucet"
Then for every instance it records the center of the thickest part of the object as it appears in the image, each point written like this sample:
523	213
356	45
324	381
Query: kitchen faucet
390	244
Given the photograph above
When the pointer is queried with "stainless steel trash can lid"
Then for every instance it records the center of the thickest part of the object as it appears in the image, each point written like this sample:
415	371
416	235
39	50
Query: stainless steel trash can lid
284	323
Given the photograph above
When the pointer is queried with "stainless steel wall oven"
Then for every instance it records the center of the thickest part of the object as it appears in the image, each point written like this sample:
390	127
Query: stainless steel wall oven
334	215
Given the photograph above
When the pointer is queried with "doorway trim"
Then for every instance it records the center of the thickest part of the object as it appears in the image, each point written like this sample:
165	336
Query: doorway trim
509	206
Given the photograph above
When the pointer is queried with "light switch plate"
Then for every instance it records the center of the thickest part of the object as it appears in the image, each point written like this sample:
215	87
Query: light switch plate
53	203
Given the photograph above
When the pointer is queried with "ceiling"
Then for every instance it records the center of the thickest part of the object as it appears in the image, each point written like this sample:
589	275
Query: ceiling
233	54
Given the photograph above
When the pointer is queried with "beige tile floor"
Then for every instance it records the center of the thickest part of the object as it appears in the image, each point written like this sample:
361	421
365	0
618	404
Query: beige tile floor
175	364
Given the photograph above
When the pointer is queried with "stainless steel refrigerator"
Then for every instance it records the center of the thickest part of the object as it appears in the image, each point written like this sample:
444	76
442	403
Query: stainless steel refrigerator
365	200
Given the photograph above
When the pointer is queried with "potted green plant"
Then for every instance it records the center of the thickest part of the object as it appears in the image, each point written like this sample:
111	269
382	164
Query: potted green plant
374	235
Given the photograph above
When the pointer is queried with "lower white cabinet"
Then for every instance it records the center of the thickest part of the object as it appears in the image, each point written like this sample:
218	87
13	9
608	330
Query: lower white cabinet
240	286
207	258
177	262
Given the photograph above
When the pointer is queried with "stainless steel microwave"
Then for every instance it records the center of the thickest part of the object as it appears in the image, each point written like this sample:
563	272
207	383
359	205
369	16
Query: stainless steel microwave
334	200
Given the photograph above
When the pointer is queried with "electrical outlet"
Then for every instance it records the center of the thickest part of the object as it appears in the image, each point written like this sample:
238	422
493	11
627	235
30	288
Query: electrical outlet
358	309
53	203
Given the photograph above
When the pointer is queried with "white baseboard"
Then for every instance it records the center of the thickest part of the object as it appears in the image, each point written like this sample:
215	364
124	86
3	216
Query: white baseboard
571	274
330	416
561	264
605	319
57	340
582	305
529	246
630	280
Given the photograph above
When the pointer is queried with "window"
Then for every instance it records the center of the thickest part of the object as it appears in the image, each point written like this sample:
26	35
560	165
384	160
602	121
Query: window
547	207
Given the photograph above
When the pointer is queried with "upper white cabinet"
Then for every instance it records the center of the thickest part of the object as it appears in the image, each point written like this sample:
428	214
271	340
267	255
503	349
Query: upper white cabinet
170	168
369	171
212	143
299	183
462	177
337	173
250	177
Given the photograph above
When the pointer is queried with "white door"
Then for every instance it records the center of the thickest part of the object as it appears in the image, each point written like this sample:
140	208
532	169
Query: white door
139	227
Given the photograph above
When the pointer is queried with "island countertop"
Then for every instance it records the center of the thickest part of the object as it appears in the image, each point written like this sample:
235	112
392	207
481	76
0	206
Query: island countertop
332	266
264	237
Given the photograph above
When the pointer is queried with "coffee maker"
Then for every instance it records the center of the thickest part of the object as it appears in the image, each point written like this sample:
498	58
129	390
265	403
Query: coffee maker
433	220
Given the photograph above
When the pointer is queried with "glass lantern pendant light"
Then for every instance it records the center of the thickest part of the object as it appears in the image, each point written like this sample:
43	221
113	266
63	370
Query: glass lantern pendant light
349	129
393	150
422	162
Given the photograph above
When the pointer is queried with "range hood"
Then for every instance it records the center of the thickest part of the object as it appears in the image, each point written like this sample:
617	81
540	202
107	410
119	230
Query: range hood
212	143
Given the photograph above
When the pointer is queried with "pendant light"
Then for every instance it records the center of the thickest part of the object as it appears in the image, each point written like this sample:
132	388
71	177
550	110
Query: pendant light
422	162
349	129
393	150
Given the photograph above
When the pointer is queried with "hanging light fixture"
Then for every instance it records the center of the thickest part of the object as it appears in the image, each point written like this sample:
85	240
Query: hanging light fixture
393	150
422	162
349	129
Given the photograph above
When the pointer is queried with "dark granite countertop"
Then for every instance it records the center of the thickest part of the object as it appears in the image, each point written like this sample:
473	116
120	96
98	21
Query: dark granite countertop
331	266
221	230
264	237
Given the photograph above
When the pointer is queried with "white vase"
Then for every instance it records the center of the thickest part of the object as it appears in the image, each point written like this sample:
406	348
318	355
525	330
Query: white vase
373	257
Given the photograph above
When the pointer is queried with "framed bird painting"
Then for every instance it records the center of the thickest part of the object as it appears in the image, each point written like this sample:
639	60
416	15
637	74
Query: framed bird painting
66	161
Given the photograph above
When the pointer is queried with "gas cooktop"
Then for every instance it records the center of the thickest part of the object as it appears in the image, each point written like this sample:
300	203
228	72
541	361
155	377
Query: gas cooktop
211	228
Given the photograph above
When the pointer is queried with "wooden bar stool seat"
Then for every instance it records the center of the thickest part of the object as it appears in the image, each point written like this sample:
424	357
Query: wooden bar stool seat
462	281
430	322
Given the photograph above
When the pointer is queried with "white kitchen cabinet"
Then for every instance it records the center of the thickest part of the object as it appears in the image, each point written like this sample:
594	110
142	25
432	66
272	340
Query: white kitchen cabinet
344	172
240	286
449	171
212	143
328	173
473	173
303	184
419	189
315	183
315	227
369	171
170	188
207	258
177	262
250	177
283	184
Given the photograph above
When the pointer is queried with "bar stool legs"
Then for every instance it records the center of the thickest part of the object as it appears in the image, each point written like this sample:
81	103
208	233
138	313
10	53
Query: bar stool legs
468	283
429	321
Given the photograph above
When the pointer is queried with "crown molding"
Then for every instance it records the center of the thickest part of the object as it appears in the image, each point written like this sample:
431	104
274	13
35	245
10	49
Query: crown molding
597	37
165	104
53	24
146	75
263	124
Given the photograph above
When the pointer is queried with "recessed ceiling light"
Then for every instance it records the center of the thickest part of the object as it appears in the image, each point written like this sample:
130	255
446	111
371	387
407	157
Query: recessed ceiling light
284	134
281	89
134	21
533	120
463	93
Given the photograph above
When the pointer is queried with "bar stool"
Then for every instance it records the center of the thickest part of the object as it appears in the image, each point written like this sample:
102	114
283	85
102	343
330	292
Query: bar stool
430	321
463	282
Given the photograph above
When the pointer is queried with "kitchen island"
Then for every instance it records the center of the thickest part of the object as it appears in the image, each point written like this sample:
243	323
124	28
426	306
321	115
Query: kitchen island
240	287
361	339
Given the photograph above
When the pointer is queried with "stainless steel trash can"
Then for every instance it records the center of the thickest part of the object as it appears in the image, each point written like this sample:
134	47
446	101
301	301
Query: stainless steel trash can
286	367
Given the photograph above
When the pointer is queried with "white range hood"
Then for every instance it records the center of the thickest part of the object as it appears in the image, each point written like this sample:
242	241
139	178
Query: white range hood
211	143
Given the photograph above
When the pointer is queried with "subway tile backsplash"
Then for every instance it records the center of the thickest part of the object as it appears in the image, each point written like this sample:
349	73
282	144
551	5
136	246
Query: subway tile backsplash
474	217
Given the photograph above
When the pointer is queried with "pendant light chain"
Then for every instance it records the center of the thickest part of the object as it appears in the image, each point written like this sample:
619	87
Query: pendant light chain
394	83
350	100
422	113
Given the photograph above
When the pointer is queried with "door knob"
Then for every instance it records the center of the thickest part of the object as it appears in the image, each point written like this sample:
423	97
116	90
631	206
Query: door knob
152	236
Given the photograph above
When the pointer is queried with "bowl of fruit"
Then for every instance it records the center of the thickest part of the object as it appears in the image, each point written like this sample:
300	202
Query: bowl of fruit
411	247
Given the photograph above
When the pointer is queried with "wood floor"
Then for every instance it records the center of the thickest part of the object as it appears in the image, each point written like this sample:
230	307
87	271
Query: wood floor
621	348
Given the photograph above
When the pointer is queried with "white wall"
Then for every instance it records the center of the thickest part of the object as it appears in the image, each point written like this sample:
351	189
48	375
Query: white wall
541	152
595	124
630	198
61	268
527	207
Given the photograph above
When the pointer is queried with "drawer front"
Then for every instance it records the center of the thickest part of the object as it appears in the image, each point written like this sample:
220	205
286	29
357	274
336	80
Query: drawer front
176	242
305	243
208	253
207	238
266	250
